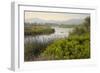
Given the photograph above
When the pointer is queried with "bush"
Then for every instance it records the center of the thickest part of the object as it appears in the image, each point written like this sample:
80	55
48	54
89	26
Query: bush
74	47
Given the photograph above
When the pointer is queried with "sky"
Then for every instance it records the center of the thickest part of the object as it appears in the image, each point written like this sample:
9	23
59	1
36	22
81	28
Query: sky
53	16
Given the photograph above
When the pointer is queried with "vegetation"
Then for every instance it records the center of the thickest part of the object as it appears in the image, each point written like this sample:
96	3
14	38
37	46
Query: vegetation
38	29
34	49
76	46
68	25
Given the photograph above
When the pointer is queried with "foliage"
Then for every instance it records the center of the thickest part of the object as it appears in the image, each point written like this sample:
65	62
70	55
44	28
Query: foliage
83	28
76	46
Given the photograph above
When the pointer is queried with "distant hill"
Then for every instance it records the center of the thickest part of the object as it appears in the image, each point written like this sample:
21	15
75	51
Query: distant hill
42	21
73	21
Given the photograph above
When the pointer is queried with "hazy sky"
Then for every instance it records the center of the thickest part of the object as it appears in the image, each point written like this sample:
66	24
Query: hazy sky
53	16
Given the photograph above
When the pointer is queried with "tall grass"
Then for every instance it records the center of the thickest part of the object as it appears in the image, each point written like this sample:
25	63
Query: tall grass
34	48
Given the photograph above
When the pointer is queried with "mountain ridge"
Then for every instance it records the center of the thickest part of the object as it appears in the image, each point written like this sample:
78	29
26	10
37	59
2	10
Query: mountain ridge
43	21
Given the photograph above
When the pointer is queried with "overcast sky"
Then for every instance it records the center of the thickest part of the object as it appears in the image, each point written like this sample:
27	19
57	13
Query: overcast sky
53	16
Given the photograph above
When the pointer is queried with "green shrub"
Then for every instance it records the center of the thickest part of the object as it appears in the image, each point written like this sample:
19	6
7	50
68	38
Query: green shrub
74	47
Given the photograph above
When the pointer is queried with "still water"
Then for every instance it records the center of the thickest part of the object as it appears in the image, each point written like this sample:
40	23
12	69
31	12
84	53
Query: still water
59	33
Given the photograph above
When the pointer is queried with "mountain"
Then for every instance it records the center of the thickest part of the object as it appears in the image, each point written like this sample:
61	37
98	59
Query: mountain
36	20
73	21
42	21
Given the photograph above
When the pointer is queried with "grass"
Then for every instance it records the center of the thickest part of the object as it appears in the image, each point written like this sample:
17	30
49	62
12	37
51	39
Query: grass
34	49
38	30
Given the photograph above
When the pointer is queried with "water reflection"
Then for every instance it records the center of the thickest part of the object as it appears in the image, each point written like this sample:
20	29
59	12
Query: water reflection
59	33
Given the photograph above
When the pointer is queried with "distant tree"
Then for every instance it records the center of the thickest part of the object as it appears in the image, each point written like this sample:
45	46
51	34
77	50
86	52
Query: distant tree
87	23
